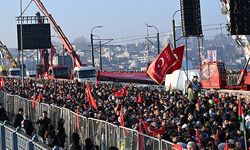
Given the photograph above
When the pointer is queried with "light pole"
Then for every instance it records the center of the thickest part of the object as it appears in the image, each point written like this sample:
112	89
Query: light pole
92	45
173	23
100	51
158	36
21	41
100	47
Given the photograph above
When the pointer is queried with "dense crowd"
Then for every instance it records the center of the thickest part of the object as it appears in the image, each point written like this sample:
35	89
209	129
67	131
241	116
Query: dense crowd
169	115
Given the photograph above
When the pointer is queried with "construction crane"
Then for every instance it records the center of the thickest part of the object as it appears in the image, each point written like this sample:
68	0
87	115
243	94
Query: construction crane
80	71
215	75
13	69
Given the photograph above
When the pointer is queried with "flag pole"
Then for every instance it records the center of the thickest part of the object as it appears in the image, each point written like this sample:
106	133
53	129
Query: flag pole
245	138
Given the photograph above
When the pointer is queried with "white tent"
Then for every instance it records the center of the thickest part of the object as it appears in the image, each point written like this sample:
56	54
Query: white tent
178	78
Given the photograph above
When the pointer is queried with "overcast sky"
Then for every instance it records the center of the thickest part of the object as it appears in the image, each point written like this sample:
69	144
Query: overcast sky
119	18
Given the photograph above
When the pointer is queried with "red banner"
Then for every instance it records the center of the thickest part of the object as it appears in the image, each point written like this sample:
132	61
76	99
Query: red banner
139	99
92	101
121	118
161	65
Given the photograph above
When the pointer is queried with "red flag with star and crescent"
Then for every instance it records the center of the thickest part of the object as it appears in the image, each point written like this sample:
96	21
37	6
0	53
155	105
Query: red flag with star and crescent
179	51
162	64
122	92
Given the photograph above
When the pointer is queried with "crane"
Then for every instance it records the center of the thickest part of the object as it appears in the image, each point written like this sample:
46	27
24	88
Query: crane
80	71
13	70
67	45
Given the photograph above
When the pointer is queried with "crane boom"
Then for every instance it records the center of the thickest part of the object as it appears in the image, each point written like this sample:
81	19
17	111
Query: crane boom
67	45
8	55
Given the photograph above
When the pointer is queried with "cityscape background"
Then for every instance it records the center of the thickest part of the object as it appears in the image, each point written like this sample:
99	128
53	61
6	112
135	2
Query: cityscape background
124	22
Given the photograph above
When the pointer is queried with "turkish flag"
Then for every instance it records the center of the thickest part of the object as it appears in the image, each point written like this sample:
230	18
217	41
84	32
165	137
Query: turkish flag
121	118
141	137
92	101
39	97
122	92
149	130
161	65
139	99
179	51
217	137
34	101
197	137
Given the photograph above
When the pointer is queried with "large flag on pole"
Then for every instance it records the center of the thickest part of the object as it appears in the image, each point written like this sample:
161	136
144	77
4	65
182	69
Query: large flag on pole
241	119
241	116
179	51
161	64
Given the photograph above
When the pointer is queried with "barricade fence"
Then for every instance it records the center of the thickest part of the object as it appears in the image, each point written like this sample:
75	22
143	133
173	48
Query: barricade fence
14	139
104	134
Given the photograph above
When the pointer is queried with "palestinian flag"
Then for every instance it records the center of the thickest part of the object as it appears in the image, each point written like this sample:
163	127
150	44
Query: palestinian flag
241	117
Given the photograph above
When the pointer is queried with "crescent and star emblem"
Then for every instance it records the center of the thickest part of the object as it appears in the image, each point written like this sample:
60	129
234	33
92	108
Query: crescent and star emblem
160	63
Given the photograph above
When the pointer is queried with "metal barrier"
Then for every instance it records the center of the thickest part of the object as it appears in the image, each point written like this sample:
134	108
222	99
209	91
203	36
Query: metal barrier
55	114
112	135
166	145
128	139
13	139
65	115
147	142
97	132
103	133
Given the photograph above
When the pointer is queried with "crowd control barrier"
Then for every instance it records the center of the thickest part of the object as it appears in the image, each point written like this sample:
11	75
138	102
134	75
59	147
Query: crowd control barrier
103	133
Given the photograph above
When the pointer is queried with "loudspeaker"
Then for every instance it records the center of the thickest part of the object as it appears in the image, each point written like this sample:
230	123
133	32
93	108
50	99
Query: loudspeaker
35	36
239	17
191	18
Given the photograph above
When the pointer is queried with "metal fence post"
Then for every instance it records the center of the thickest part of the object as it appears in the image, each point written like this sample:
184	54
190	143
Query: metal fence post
14	139
2	136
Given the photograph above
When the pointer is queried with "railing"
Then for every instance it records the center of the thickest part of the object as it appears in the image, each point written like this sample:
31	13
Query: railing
13	139
103	133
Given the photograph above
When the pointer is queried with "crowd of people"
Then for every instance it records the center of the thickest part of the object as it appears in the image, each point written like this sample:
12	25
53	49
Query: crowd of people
197	120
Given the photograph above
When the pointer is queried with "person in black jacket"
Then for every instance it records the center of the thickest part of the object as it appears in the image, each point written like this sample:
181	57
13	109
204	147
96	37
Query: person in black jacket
75	145
43	122
18	118
27	125
61	135
50	136
3	115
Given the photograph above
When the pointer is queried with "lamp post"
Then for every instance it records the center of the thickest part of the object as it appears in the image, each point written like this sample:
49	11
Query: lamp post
173	23
158	36
92	45
100	47
21	41
100	51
